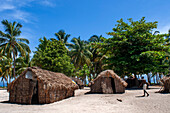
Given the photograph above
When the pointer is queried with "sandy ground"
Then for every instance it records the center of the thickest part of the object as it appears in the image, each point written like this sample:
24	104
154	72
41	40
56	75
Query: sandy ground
132	102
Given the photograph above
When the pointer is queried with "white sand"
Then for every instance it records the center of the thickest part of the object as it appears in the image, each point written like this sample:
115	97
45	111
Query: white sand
96	103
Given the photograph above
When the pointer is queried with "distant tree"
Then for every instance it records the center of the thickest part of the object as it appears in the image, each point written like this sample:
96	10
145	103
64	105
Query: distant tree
85	71
52	55
63	37
133	48
22	63
9	42
79	53
97	57
5	69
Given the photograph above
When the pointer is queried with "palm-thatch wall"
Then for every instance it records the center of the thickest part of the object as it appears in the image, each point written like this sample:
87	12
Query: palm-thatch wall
108	82
38	86
78	82
166	84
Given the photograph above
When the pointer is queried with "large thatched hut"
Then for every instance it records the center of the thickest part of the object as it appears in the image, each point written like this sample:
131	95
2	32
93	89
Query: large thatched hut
166	84
78	82
108	82
38	86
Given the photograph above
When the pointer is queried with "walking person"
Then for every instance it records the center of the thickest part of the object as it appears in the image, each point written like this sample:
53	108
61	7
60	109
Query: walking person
144	83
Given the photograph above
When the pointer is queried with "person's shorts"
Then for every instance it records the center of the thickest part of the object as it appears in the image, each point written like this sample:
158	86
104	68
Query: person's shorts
144	86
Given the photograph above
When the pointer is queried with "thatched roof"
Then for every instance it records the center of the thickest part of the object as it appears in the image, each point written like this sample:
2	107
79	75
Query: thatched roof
51	80
110	73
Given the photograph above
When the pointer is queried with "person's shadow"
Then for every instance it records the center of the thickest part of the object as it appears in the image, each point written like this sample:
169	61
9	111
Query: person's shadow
139	96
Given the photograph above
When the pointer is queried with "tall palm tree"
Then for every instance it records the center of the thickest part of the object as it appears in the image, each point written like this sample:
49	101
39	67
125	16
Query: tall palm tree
95	38
79	52
6	68
9	42
97	56
62	36
22	63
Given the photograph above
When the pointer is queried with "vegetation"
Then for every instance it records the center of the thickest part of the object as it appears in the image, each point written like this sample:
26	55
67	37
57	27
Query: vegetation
134	47
10	45
52	55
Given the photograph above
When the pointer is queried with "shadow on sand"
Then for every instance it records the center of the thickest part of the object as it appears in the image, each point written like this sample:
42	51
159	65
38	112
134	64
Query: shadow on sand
140	96
7	102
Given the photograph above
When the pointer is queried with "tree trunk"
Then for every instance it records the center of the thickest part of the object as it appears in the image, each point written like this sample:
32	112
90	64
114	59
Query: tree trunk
14	64
136	80
3	84
148	77
10	78
154	79
157	78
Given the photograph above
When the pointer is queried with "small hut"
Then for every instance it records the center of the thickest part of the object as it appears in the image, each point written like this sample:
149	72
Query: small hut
38	86
78	82
166	84
108	82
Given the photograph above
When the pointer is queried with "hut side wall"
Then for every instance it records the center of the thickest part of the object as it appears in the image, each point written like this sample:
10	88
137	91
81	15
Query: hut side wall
96	87
53	95
118	86
20	92
167	85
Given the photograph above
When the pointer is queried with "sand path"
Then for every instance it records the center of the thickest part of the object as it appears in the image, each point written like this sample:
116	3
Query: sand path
132	102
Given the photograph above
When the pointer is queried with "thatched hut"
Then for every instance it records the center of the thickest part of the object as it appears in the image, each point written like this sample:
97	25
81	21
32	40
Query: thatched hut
166	84
108	82
38	86
78	82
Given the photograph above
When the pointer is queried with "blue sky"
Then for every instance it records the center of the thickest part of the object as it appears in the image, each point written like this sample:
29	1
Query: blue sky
82	18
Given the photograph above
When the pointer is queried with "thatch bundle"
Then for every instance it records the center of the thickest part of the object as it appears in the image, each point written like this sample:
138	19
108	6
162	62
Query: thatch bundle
40	86
78	82
108	82
166	84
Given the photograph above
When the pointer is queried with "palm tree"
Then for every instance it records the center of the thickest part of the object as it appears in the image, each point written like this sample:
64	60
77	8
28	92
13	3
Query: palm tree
62	36
22	63
79	52
97	56
95	38
9	42
6	68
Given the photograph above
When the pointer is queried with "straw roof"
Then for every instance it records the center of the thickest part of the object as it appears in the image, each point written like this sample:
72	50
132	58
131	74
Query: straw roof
110	73
51	80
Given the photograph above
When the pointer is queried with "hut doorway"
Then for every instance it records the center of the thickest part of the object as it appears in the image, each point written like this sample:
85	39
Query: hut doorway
113	85
34	99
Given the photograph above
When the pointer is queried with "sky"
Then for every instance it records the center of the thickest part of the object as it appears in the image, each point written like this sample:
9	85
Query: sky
82	18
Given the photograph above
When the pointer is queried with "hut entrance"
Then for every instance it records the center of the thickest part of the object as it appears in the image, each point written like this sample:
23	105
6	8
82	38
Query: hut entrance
35	94
113	85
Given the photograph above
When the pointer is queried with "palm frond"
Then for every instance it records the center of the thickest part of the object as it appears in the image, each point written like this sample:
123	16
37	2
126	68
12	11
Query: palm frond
23	40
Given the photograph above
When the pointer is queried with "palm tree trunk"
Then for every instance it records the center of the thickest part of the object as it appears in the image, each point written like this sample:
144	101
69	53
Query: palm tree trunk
148	77
157	78
10	78
136	80
3	84
14	64
154	79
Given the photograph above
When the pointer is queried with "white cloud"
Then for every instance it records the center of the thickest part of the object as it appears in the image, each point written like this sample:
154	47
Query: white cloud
47	3
15	9
164	29
6	7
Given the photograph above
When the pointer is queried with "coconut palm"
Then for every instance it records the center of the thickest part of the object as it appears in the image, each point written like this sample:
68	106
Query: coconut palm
79	52
10	44
5	68
95	38
97	56
62	36
22	63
